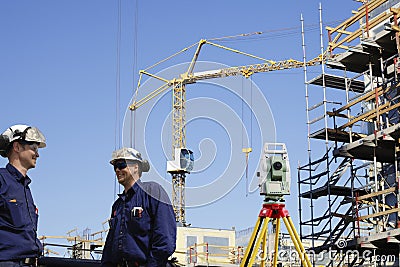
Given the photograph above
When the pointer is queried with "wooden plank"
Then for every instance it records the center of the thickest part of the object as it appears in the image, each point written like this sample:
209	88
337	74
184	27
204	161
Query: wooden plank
370	115
374	194
372	4
367	96
358	32
331	114
344	32
361	218
371	203
364	116
395	11
380	112
359	14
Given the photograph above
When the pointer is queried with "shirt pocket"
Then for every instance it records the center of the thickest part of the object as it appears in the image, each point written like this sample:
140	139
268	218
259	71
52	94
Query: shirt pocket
14	212
139	224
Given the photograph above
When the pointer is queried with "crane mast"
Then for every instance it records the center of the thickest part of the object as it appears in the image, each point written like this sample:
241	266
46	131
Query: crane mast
178	141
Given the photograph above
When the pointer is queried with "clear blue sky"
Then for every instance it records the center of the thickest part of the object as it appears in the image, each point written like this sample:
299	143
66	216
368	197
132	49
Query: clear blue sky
58	72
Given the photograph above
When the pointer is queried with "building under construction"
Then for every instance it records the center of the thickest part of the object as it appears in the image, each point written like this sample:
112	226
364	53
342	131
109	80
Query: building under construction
349	189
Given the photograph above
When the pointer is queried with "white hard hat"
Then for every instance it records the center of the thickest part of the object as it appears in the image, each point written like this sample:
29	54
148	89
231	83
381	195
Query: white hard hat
21	132
128	153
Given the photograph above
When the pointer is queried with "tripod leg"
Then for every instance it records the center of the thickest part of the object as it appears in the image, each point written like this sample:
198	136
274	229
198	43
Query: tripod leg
296	241
278	229
257	245
255	241
263	248
251	242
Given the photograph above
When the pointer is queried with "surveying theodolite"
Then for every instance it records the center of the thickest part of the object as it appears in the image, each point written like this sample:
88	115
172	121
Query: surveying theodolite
274	183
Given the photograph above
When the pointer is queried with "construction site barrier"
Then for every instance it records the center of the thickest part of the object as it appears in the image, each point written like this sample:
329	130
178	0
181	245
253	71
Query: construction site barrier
233	255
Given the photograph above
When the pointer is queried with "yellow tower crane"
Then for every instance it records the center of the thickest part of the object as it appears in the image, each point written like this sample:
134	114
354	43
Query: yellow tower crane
178	85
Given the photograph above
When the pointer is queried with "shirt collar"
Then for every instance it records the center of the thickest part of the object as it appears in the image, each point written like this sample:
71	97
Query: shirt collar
18	176
135	187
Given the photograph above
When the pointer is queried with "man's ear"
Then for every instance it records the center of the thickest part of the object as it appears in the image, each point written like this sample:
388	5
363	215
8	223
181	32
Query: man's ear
133	168
136	166
16	146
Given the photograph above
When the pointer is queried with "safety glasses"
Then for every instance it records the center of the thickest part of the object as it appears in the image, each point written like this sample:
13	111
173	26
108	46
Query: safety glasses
120	165
32	145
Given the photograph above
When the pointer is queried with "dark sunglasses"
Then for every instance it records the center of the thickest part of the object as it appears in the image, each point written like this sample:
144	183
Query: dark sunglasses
120	165
32	145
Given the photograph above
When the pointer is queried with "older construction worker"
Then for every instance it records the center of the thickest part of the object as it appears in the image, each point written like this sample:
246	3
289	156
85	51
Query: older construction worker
142	225
19	245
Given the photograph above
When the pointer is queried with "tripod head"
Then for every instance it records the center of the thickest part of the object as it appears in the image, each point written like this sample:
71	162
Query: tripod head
274	173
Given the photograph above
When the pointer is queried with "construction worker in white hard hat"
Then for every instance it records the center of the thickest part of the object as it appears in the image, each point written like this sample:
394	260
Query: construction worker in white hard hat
142	225
19	245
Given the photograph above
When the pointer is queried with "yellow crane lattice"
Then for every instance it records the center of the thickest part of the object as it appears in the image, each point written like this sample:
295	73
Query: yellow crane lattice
178	85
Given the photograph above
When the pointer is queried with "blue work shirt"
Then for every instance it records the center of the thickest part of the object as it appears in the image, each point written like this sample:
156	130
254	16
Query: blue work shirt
142	227
18	217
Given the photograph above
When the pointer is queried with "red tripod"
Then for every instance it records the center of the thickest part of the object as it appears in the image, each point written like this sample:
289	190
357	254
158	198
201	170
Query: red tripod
274	211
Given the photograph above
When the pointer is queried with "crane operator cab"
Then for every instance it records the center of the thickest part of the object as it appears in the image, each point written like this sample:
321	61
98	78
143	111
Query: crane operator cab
183	161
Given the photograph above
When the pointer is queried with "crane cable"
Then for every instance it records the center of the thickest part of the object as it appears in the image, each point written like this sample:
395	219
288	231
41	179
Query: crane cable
243	128
118	80
273	33
135	49
117	130
249	148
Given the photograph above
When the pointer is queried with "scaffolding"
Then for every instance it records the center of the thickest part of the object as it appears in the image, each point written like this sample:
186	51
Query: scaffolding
348	190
